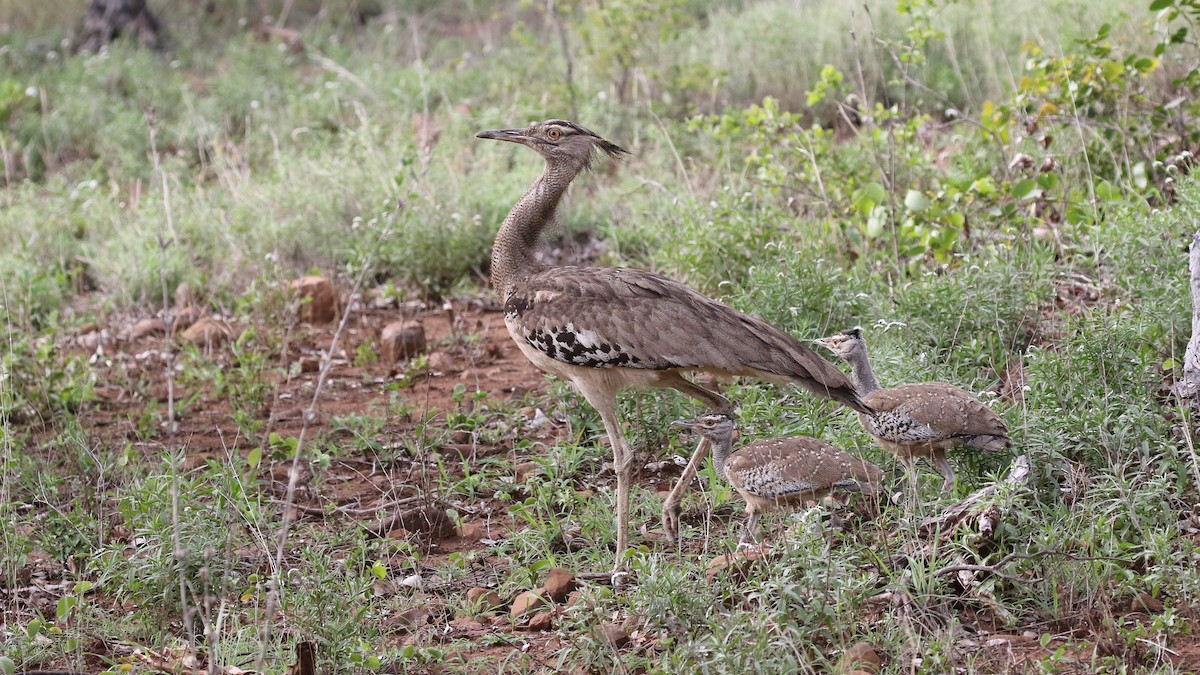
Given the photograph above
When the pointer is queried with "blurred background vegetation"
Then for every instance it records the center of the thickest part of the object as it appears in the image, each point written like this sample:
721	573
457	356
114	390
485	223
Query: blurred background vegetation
999	190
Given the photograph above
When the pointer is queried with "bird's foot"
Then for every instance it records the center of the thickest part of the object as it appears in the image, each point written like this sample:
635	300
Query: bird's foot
670	523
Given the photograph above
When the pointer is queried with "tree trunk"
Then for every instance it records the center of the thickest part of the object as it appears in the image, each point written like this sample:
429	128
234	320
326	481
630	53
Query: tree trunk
107	19
1189	385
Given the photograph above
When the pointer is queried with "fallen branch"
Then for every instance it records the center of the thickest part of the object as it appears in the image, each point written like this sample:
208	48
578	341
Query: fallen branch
994	568
988	518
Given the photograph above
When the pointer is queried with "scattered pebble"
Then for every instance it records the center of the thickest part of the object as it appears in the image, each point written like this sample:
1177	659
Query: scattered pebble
559	584
526	470
1144	602
401	340
541	621
526	603
614	635
442	362
207	332
485	599
734	565
185	296
859	658
317	292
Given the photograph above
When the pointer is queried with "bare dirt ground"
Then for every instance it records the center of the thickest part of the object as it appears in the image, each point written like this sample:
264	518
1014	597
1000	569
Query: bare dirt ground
467	347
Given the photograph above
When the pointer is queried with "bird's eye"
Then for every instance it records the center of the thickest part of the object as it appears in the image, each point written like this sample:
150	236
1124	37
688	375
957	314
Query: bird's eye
553	134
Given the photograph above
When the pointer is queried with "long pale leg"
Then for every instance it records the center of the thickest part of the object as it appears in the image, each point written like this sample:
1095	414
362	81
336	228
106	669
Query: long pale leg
750	537
603	397
947	471
670	506
713	400
622	465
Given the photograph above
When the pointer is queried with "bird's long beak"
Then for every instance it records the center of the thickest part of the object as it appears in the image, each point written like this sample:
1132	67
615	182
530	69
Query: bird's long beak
822	342
684	424
510	135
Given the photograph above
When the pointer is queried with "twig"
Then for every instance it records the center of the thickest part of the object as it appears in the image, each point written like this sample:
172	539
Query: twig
164	243
1189	386
336	68
309	417
995	567
566	52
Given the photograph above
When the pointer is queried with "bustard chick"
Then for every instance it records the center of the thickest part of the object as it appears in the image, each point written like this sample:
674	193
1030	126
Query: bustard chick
777	472
605	328
918	420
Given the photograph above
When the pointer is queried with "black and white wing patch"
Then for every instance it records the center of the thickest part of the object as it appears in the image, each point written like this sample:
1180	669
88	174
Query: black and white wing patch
568	344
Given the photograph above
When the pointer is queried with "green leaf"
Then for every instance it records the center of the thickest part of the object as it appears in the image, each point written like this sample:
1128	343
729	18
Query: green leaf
867	197
876	222
1048	181
7	666
1023	188
254	458
65	604
1159	5
1106	191
379	570
915	201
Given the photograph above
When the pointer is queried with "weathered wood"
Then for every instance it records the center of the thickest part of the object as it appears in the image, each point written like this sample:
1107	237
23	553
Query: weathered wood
106	20
1189	385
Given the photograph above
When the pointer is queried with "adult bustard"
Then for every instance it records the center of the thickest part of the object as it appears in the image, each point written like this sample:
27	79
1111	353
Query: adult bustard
918	420
604	328
787	471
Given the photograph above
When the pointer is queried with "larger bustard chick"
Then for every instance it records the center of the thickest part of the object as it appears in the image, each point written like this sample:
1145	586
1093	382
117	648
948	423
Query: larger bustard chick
778	472
919	420
605	328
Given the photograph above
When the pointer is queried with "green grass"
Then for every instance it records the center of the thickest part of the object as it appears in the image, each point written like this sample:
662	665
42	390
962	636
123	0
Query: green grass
258	165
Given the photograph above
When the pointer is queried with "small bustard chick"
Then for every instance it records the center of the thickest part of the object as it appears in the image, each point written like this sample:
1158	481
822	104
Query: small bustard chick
606	328
777	472
919	420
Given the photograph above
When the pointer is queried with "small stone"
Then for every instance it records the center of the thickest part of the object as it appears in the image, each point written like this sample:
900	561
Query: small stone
146	327
401	340
441	362
1001	639
413	617
526	603
484	599
207	332
860	657
185	296
541	621
93	340
614	635
1144	602
734	565
559	584
525	470
317	296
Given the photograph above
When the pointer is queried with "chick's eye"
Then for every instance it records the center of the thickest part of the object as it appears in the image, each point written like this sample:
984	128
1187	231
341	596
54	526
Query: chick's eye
553	134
